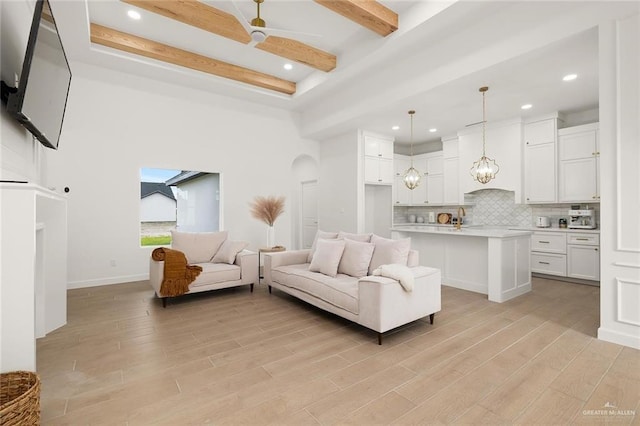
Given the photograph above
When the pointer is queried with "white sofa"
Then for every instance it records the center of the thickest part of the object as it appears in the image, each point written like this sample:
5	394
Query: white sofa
224	263
376	302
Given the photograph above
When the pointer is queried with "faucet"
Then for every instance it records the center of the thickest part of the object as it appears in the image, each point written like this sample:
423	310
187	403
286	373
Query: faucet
459	221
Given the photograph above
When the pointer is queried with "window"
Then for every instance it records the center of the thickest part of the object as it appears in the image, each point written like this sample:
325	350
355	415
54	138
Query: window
177	199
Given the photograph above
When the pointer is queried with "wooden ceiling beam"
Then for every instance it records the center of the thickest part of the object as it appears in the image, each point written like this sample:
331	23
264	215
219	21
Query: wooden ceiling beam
299	52
140	46
197	14
368	13
216	21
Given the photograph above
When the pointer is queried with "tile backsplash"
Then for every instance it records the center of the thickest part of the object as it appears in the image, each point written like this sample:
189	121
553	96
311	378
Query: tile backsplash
495	207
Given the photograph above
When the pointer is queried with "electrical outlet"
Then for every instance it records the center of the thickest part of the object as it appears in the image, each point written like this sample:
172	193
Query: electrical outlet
113	262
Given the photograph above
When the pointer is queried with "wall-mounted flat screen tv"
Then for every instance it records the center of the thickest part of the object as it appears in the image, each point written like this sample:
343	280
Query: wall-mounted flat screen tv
41	97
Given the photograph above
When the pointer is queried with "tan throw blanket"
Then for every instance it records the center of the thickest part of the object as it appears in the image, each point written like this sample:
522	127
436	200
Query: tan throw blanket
177	273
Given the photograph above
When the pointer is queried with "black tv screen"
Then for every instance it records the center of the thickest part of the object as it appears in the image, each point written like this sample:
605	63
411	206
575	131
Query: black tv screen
41	97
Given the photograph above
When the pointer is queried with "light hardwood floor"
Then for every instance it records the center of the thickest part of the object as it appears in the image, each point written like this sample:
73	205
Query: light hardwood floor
235	357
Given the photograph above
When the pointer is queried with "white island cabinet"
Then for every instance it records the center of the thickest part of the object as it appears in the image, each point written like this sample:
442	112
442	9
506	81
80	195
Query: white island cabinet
495	262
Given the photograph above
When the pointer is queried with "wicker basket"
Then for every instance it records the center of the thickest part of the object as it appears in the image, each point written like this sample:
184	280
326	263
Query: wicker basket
19	398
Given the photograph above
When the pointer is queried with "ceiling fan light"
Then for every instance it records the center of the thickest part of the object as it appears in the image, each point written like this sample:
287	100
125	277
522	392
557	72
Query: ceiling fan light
258	36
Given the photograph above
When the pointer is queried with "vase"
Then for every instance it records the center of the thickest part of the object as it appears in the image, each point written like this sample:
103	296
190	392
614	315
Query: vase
271	237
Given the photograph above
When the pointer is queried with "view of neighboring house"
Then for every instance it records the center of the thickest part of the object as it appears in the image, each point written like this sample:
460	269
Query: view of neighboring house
198	200
157	202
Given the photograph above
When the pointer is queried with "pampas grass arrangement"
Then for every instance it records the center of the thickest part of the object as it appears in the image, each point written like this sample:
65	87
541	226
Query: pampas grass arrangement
267	209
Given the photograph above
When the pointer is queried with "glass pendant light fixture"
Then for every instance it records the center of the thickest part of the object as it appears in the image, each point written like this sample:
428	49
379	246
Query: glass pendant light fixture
411	177
485	168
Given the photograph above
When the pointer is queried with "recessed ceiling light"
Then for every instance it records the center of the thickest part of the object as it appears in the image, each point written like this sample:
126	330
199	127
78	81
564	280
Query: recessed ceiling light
133	14
288	66
395	128
526	106
433	130
570	77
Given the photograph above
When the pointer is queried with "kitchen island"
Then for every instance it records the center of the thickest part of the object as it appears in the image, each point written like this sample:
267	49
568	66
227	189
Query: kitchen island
491	261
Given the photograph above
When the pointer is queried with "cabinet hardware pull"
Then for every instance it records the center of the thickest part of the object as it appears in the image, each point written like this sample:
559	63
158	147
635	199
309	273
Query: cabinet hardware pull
397	202
544	242
544	263
379	180
596	249
379	155
582	239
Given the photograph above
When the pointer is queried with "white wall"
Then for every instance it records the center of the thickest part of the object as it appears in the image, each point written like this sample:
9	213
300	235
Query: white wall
620	182
338	184
118	123
157	208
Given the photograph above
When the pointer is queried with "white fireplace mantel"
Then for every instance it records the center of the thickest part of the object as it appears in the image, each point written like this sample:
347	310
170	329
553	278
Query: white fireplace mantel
33	270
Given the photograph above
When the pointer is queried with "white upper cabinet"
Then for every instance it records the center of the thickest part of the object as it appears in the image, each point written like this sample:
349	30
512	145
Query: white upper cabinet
451	194
401	194
378	161
540	161
579	156
377	147
434	179
543	131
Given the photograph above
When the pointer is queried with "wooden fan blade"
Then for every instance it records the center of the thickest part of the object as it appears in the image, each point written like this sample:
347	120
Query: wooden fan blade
299	52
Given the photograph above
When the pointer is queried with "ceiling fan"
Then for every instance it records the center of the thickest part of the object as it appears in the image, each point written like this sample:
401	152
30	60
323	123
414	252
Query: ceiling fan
257	27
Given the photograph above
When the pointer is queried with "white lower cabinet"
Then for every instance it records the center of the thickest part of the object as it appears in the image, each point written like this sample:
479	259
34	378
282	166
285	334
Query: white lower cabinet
574	255
548	263
583	256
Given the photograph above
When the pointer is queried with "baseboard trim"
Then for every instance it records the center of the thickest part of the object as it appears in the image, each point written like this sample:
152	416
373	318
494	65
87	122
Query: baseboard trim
633	341
106	281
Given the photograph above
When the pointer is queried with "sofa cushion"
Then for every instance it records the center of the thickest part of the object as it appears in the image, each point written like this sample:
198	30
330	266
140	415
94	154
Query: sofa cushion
356	258
327	257
341	291
325	236
228	251
216	273
389	251
365	238
199	247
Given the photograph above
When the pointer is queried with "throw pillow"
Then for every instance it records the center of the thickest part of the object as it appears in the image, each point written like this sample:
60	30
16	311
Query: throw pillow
327	257
325	236
198	247
365	238
228	251
356	258
389	251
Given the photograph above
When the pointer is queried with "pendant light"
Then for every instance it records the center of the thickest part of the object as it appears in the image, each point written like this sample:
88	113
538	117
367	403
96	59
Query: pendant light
485	168
411	177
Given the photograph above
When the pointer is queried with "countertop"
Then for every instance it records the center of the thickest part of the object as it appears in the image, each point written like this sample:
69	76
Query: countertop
555	229
469	231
